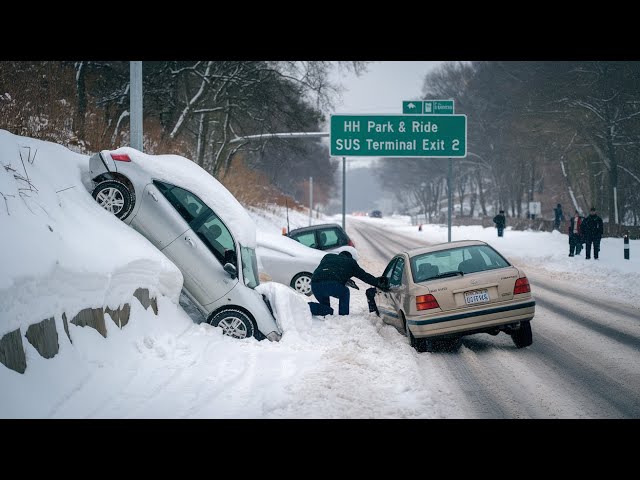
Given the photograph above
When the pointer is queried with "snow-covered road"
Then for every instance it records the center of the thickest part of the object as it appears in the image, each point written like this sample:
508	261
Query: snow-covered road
584	361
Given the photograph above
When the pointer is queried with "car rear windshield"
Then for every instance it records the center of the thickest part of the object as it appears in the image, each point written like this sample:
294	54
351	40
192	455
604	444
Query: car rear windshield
470	259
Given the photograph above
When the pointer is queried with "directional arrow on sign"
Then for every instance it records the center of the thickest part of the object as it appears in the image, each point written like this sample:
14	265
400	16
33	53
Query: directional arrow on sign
410	106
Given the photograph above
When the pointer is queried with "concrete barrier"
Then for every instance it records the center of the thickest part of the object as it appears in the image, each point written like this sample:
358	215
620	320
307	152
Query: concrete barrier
43	335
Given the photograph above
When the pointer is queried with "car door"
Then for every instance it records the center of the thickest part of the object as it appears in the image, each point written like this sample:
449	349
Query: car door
195	251
394	295
383	300
157	218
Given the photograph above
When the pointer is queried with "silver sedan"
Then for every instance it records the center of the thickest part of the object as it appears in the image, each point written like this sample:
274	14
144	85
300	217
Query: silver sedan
196	222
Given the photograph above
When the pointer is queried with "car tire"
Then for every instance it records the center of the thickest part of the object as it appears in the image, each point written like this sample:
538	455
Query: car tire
302	283
114	197
523	337
234	323
420	344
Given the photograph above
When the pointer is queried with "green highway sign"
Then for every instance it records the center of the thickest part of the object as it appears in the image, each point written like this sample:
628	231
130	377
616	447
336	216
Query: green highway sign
428	107
399	136
414	107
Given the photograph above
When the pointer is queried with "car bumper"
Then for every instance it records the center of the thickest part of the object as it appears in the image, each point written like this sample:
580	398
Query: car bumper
444	323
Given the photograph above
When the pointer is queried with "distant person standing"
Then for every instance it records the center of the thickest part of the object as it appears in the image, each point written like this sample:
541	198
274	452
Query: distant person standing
559	217
575	234
500	222
592	229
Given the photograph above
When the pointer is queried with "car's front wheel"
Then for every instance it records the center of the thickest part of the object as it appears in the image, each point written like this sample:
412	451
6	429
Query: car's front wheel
523	337
114	197
234	323
302	283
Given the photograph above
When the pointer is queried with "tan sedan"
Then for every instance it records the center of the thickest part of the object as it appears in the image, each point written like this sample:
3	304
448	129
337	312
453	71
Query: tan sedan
454	289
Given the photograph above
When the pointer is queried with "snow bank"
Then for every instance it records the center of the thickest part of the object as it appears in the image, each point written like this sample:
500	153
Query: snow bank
59	251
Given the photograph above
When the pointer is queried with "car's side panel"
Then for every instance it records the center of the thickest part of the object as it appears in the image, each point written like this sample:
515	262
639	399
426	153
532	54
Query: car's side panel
156	218
283	267
204	275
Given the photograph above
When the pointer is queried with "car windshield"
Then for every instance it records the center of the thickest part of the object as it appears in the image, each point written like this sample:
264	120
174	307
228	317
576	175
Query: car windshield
249	267
455	261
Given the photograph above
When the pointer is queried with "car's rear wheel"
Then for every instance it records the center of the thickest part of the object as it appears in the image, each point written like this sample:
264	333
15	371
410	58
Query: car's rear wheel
420	344
302	283
114	197
234	323
523	337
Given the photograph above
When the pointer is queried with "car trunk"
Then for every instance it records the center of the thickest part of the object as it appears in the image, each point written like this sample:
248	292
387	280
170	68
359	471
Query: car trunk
474	289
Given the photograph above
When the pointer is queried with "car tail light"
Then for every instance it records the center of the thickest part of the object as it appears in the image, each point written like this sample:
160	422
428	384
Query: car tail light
522	286
426	302
351	244
121	157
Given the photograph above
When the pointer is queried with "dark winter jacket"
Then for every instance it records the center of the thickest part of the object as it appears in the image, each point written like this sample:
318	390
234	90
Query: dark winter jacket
558	214
500	220
341	268
592	227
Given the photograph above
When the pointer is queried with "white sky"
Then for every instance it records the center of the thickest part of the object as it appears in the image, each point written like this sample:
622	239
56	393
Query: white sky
383	87
168	366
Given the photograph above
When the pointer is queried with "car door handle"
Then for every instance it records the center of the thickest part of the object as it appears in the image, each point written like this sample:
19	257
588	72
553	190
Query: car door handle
189	241
153	195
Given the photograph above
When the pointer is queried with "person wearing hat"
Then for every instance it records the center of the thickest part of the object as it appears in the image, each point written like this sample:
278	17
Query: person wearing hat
330	279
592	229
500	222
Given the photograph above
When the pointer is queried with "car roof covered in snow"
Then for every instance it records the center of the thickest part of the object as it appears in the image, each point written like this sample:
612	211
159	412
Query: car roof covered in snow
182	172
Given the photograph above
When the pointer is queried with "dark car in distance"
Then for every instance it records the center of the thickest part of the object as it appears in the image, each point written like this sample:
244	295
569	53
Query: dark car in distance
376	214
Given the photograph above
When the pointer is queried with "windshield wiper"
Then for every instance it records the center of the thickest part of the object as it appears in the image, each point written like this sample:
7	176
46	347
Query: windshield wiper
450	274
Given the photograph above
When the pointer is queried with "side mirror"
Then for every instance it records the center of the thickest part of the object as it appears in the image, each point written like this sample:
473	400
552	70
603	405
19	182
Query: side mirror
230	257
231	269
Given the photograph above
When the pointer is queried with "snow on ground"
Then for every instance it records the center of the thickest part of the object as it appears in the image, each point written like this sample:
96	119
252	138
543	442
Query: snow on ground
171	366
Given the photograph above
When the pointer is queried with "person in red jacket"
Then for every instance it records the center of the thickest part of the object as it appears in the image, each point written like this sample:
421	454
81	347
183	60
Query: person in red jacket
575	234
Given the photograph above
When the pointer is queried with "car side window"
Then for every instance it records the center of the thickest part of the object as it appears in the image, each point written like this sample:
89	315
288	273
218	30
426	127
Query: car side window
215	235
329	238
389	269
396	275
343	239
308	239
186	203
204	222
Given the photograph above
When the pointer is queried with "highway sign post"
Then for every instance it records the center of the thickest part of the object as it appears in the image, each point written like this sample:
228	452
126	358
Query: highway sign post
420	136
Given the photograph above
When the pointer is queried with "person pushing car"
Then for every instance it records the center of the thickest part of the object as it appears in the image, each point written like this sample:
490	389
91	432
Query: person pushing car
330	278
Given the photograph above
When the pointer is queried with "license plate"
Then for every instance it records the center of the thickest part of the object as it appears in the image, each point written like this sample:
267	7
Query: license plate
476	296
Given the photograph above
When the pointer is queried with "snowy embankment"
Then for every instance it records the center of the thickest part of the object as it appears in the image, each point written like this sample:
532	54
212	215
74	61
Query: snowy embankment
60	252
